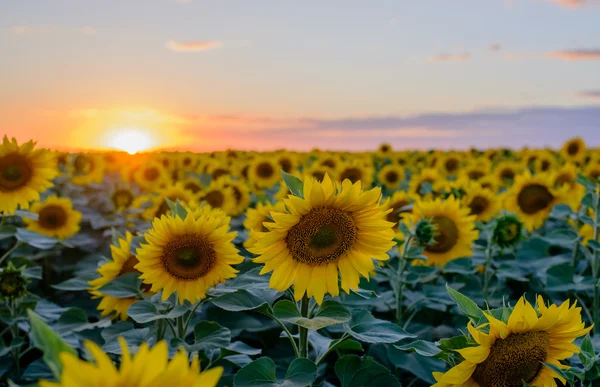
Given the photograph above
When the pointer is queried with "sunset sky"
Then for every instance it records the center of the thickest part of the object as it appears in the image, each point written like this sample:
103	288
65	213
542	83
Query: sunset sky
258	74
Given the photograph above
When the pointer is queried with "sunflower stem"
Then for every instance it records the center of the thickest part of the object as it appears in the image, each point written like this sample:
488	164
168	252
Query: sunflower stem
487	275
596	300
304	331
332	348
10	251
191	315
575	248
399	274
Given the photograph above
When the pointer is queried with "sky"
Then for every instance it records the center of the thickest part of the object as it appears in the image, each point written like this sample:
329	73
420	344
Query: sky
268	74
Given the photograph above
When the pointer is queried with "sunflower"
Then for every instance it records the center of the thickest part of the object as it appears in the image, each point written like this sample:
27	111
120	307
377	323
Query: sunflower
475	171
318	172
87	168
287	162
396	203
574	149
450	164
417	182
356	170
331	228
151	175
455	229
56	218
187	256
514	352
192	184
187	162
592	171
241	195
545	162
566	177
255	217
147	368
264	172
123	261
506	171
532	198
155	205
384	150
482	202
122	198
329	161
391	176
24	174
220	194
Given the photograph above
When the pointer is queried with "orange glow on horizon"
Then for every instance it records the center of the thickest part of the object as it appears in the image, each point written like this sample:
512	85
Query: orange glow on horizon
131	141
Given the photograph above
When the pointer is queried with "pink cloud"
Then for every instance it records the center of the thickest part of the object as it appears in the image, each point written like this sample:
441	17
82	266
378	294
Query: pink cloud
590	94
495	47
576	54
193	46
450	57
570	3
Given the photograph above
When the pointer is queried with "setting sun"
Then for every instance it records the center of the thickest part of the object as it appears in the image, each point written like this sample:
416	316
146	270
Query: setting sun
131	140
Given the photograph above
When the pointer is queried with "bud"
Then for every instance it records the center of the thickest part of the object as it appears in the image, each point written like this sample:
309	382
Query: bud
13	285
508	231
425	231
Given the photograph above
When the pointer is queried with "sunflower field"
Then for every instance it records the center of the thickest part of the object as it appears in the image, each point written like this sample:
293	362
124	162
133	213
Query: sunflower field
245	269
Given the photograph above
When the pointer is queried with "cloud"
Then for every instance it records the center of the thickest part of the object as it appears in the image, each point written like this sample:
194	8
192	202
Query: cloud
495	47
591	94
575	54
570	3
465	56
192	46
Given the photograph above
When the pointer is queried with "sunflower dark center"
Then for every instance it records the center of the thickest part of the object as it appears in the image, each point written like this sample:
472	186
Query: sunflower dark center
122	198
82	164
352	174
265	170
15	172
478	205
476	174
573	149
507	174
595	174
451	165
187	162
545	165
215	199
193	186
285	164
329	163
52	217
219	172
397	212
392	177
322	236
11	284
534	198
151	173
237	194
446	235
385	148
564	178
188	257
514	360
319	175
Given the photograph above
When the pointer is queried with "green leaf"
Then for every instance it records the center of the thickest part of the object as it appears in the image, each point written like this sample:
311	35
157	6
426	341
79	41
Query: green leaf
46	340
366	328
352	371
239	300
586	182
294	184
134	338
261	373
124	286
210	335
73	284
36	240
330	313
146	311
466	306
176	208
422	347
7	232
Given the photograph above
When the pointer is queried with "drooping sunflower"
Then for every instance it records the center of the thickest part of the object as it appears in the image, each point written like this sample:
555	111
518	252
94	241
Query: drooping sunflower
255	217
454	229
24	174
87	168
331	229
391	176
220	194
264	172
123	261
482	202
355	171
532	198
56	218
187	256
417	182
147	368
574	192
512	353
574	149
151	175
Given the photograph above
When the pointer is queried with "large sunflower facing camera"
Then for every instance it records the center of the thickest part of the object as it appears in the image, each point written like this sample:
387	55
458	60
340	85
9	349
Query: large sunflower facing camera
512	353
330	230
24	174
187	256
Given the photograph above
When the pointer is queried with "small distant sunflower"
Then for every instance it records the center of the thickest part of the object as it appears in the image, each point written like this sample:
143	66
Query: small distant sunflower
417	182
122	198
192	184
264	172
356	171
385	149
87	168
566	177
450	164
318	172
506	171
24	174
474	172
241	195
532	198
147	368
123	262
218	169
151	175
592	171
13	284
574	149
287	162
56	218
332	229
220	194
545	162
482	202
187	162
512	353
454	229
391	176
329	161
255	217
187	256
155	205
